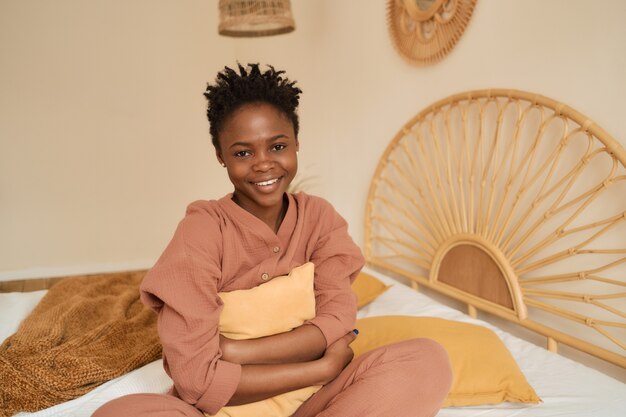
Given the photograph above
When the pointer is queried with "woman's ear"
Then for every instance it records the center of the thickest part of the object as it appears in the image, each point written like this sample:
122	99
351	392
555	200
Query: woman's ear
297	145
218	155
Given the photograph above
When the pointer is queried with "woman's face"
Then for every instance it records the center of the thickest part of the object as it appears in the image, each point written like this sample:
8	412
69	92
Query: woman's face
258	147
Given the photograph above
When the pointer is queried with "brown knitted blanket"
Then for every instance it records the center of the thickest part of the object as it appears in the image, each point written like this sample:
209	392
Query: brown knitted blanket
84	332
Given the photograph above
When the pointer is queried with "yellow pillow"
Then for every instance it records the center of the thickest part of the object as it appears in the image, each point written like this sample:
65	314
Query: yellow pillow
367	288
484	370
276	306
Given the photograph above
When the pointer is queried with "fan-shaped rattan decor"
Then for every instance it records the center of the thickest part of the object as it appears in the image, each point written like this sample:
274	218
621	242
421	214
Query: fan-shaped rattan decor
514	204
424	31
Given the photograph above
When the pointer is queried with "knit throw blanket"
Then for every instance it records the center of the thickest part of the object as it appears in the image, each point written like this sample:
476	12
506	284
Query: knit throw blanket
84	332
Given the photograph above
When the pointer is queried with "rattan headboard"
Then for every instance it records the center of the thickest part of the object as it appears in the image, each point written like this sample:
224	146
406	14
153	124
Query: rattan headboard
514	204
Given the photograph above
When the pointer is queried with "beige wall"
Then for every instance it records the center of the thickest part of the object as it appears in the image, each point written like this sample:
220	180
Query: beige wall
103	138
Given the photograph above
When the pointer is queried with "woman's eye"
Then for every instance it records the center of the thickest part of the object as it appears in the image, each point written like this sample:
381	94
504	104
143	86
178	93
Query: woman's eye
279	147
242	154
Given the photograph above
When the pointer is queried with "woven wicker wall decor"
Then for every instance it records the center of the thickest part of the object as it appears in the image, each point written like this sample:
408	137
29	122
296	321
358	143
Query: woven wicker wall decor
252	18
424	31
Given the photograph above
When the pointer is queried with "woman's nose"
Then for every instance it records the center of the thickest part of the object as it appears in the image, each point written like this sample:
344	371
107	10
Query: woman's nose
262	162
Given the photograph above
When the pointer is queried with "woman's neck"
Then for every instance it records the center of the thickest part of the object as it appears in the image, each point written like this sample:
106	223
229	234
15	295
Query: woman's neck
271	216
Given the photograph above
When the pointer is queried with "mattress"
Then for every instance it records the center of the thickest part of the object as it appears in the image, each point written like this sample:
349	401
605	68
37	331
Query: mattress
567	388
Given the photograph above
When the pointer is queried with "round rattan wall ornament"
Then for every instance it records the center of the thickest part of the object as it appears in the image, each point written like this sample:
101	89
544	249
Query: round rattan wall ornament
424	31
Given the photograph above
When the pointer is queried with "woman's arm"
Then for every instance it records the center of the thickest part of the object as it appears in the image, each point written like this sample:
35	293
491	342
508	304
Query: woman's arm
337	261
259	382
182	289
302	344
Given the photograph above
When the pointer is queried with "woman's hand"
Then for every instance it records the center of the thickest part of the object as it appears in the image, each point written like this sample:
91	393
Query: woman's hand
338	356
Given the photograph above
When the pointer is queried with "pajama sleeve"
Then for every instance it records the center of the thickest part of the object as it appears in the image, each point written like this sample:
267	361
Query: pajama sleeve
337	261
182	289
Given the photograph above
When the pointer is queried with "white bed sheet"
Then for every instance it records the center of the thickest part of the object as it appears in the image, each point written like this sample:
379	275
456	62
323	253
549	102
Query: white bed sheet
567	388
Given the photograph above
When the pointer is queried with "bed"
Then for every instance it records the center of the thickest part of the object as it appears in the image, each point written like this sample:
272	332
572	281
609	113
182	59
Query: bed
510	204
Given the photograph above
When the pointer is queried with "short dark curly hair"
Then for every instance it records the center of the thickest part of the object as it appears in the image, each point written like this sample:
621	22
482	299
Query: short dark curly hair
232	90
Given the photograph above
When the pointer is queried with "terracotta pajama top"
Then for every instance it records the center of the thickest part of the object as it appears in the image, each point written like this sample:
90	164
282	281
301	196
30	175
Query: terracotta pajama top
218	246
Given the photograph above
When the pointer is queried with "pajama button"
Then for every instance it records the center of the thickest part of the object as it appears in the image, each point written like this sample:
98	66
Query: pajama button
276	249
265	276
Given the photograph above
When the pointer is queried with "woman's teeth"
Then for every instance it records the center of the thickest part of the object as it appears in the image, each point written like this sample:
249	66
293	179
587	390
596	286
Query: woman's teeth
269	182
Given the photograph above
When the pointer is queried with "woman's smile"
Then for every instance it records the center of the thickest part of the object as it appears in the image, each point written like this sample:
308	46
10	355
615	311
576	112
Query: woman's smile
268	182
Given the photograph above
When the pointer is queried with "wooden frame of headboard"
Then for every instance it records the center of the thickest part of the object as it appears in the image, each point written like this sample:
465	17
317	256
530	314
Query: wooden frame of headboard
498	198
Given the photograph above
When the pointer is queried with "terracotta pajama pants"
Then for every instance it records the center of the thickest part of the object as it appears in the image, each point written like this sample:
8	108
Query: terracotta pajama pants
408	379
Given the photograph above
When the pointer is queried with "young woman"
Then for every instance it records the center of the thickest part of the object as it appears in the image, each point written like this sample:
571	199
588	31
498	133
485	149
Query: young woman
246	238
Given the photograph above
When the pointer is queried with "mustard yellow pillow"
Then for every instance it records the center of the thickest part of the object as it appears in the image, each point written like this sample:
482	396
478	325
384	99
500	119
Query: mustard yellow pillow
277	306
367	288
484	370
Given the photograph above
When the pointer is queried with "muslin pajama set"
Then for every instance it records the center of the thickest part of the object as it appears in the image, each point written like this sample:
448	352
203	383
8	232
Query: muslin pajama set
219	246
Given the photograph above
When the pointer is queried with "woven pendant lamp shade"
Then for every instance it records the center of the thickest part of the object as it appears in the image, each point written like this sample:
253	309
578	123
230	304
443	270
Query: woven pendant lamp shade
249	18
